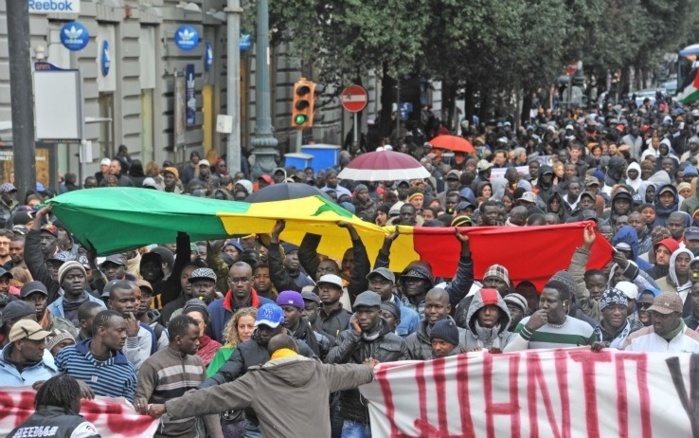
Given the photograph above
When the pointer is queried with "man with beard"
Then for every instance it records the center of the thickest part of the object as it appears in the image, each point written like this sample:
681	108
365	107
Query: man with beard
251	353
490	213
172	372
240	294
71	278
614	327
16	253
99	362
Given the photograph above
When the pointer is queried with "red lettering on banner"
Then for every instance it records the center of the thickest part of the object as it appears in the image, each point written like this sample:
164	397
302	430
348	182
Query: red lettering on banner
464	397
440	383
535	377
118	422
421	389
588	362
381	377
21	410
643	392
510	408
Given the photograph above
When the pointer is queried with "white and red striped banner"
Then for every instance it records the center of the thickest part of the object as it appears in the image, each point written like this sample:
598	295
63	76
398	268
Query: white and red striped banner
538	393
113	417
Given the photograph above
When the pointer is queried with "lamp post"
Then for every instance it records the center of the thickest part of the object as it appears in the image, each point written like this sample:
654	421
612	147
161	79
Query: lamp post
21	98
233	12
263	142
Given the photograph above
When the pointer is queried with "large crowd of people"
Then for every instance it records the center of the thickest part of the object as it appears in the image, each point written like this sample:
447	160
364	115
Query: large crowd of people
235	338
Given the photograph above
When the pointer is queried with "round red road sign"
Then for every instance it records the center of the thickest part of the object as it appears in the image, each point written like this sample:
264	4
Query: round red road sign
354	98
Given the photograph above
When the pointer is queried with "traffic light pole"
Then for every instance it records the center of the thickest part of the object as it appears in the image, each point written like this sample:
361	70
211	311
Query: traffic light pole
21	99
263	141
299	140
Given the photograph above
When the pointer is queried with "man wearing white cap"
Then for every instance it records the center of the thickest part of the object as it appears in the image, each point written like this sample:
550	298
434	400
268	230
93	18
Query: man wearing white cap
104	169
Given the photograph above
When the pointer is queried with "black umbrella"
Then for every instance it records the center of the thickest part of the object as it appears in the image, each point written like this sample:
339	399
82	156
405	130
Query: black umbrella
285	191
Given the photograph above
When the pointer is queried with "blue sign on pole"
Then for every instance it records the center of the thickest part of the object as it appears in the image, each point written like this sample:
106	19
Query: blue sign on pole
74	36
245	42
191	107
105	59
208	57
186	37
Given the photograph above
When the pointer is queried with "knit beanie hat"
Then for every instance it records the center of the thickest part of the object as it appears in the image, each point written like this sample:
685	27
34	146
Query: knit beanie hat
57	336
391	308
613	296
196	305
67	266
517	300
360	187
567	279
445	330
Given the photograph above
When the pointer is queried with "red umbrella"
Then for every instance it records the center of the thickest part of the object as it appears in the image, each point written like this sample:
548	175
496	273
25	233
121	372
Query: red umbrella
452	143
384	166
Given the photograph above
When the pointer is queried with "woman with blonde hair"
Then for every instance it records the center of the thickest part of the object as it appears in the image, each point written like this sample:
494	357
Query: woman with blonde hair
239	329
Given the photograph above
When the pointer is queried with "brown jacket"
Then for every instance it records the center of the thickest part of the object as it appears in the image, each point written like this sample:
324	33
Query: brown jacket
289	395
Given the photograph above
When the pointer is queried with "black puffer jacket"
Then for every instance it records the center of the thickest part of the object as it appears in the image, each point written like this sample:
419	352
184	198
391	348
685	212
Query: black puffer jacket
354	347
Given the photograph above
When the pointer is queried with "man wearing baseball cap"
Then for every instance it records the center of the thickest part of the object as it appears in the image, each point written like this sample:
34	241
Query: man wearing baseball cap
367	338
35	293
668	333
383	282
269	323
23	361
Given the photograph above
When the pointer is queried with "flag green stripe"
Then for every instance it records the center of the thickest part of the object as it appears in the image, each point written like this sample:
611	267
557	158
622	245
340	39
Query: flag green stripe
116	219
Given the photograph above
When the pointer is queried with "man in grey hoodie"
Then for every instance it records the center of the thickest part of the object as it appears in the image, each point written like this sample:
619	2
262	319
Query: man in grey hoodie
488	320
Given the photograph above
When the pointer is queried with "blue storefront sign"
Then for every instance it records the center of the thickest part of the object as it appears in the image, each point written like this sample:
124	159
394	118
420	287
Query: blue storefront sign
105	59
191	107
74	36
245	42
186	37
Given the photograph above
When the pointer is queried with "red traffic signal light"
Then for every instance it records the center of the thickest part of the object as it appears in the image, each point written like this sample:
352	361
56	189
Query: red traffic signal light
303	104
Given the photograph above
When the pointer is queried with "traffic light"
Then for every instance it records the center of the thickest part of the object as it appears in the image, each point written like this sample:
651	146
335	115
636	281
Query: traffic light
304	102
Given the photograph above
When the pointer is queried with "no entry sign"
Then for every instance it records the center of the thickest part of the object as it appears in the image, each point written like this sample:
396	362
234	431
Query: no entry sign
354	98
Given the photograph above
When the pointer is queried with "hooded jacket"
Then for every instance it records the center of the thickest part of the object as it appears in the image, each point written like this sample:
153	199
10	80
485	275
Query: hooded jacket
419	345
634	183
670	283
354	347
663	213
641	192
544	190
627	234
270	390
477	336
562	212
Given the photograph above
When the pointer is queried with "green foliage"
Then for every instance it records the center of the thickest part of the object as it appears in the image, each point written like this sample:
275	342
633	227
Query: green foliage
494	45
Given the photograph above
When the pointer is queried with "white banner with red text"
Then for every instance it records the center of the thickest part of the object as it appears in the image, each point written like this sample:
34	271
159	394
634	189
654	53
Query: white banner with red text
113	417
538	393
